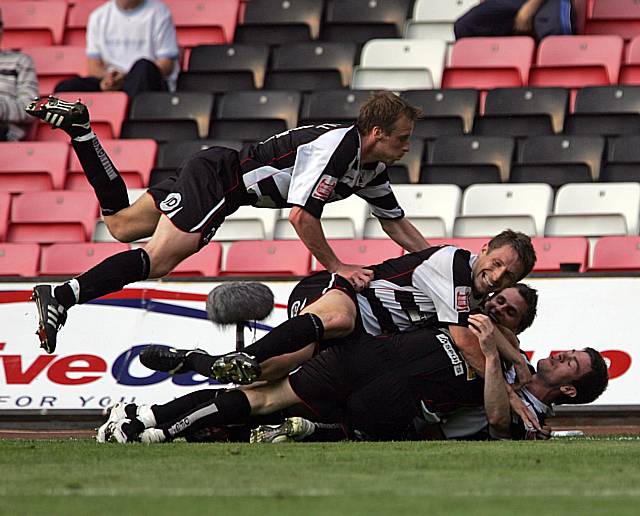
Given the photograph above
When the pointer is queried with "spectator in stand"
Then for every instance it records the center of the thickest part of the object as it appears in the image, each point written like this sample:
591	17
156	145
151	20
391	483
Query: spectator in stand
18	87
131	47
536	18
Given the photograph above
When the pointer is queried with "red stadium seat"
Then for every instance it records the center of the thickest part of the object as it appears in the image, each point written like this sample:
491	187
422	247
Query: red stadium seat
19	259
31	24
201	22
470	244
577	61
362	252
616	254
561	254
52	217
29	166
205	262
630	70
75	31
107	109
267	258
5	204
56	63
73	259
619	17
134	160
486	63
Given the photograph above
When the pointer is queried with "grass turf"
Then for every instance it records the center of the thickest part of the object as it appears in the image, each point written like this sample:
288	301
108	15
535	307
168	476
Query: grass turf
577	476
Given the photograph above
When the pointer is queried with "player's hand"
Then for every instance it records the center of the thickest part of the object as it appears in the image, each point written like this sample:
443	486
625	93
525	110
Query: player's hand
523	412
484	329
356	275
523	375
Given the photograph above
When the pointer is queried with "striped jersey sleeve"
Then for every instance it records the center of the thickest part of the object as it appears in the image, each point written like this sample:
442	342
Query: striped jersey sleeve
380	196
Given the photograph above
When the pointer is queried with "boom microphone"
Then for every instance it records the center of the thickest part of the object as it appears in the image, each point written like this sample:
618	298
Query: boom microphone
239	301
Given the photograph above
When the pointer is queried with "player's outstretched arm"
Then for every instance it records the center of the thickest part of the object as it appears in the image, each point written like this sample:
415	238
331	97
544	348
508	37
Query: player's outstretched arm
404	233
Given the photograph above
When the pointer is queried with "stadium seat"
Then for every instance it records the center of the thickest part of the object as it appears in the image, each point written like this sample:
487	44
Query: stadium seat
267	258
161	131
230	67
341	219
566	254
444	112
169	107
273	22
558	159
400	64
534	201
134	160
56	63
206	262
470	244
605	110
248	223
587	225
19	259
364	252
464	160
431	208
486	63
623	160
198	21
577	61
254	115
336	106
521	112
362	20
311	66
407	168
601	198
74	259
619	17
28	166
52	217
630	69
32	24
614	253
475	226
435	18
5	207
77	18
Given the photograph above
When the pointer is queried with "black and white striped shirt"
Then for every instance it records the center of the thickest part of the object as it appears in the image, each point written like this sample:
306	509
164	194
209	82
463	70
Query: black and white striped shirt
18	86
432	287
310	166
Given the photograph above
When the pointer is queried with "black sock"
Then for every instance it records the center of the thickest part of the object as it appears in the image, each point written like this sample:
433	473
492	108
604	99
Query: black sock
326	432
108	276
103	176
210	407
200	363
290	336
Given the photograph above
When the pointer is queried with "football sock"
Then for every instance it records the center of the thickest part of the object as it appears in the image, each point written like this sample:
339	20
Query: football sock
200	363
290	336
108	276
103	176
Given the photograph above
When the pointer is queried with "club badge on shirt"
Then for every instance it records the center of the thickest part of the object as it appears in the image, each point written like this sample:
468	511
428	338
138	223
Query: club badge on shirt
324	187
463	295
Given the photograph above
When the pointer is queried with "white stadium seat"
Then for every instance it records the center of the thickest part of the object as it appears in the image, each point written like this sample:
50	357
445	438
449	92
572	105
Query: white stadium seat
489	225
431	208
248	223
435	18
525	199
404	64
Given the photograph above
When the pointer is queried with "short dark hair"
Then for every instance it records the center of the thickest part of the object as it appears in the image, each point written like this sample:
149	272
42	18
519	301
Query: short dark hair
590	385
383	109
530	296
520	243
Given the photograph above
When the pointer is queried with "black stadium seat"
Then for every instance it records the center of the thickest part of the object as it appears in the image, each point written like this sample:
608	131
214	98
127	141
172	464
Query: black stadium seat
232	61
160	130
337	106
523	112
623	160
606	111
465	160
445	112
557	160
278	22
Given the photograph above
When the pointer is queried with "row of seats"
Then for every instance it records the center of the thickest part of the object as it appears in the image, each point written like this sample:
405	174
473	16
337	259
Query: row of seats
292	258
436	210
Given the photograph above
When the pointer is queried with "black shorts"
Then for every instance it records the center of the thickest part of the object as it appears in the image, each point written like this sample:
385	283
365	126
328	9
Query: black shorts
311	288
206	189
376	384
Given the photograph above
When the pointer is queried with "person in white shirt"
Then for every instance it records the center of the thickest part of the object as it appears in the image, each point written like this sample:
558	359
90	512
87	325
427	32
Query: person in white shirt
131	47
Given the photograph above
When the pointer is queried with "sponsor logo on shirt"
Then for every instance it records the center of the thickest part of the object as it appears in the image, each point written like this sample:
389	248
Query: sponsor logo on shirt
324	187
463	295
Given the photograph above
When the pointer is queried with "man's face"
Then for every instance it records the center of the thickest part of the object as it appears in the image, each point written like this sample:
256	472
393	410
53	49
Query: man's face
392	146
496	269
507	308
564	367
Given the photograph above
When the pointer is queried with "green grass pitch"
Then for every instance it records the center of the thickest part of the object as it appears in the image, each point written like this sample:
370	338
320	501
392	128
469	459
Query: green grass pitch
559	477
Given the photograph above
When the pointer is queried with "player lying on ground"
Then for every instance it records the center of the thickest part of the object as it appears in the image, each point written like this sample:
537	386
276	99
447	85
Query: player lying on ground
440	284
379	383
302	168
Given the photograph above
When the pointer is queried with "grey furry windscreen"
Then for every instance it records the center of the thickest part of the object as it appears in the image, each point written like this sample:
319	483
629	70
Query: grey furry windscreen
239	301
